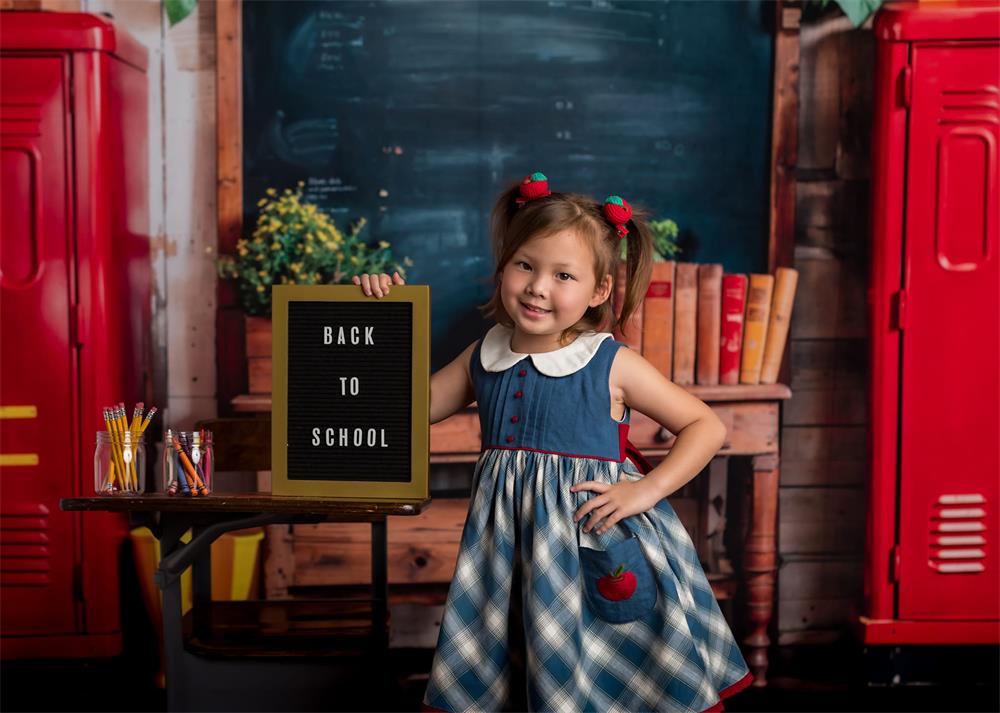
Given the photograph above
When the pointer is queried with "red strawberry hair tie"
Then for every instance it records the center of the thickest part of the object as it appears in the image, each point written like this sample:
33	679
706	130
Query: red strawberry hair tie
533	186
618	212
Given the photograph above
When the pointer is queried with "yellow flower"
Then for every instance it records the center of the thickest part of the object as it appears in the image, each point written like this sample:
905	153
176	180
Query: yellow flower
407	261
383	244
261	202
275	245
260	288
262	273
271	192
243	252
309	249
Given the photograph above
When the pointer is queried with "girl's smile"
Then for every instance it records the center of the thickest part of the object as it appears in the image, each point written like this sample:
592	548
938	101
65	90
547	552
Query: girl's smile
534	312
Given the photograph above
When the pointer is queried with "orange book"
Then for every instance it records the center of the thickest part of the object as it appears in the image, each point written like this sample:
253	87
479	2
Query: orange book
755	327
709	321
658	318
685	321
734	302
633	329
785	281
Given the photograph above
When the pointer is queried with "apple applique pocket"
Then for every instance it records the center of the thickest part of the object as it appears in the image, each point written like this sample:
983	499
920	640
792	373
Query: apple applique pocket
618	582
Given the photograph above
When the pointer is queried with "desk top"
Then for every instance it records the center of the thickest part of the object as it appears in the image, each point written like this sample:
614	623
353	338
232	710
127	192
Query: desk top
245	503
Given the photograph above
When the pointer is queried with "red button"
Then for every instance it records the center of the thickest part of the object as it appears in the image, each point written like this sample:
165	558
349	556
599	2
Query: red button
522	373
510	439
518	394
514	419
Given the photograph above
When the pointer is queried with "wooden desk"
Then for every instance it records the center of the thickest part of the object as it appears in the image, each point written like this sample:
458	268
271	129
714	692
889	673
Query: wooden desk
189	685
752	415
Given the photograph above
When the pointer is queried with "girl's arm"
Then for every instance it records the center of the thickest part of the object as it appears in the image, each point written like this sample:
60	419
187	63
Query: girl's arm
700	433
451	387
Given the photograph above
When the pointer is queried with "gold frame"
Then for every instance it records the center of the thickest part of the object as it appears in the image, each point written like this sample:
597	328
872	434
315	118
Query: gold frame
415	490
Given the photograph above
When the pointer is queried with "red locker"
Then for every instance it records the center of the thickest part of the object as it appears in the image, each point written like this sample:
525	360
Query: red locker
74	315
932	573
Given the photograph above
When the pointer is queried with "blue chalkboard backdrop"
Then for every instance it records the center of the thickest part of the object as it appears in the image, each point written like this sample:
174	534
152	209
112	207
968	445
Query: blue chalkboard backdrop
416	114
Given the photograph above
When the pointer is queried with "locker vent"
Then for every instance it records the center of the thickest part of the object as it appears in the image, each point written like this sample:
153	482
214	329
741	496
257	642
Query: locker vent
958	534
24	545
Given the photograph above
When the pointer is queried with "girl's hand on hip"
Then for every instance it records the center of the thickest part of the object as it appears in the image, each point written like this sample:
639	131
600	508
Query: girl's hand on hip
377	285
615	502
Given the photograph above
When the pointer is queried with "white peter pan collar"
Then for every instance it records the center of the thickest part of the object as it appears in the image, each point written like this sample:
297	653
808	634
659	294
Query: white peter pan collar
496	355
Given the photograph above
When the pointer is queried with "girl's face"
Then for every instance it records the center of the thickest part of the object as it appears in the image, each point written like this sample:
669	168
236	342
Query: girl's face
549	283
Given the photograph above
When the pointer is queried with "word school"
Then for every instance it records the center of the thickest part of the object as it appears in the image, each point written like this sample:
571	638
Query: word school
350	335
346	437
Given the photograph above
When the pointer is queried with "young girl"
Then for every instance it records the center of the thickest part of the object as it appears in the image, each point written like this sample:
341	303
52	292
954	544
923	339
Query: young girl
577	587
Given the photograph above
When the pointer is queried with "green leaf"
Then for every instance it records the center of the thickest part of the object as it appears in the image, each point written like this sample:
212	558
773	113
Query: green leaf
858	11
177	10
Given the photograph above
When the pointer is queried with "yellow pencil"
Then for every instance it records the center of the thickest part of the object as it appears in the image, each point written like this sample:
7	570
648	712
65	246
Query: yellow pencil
145	423
123	433
117	472
136	417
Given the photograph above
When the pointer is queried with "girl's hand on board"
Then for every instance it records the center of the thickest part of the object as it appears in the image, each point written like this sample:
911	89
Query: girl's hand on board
615	502
377	285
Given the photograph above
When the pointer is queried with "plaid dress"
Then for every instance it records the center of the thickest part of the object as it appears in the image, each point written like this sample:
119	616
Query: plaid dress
527	625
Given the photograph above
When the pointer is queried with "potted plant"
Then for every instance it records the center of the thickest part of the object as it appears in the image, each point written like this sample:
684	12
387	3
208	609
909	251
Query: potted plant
294	243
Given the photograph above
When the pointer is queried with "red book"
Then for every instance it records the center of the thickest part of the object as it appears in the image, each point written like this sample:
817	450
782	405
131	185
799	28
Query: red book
734	300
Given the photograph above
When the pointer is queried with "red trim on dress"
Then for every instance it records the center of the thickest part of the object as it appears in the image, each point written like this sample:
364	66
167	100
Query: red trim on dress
729	692
626	449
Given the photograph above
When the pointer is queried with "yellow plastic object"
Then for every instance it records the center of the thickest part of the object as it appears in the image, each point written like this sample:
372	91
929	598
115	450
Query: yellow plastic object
234	571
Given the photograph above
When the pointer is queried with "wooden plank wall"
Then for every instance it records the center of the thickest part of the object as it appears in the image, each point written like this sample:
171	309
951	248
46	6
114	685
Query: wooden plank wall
821	500
181	76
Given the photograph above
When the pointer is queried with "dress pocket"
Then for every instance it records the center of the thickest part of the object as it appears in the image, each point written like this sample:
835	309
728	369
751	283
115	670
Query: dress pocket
618	582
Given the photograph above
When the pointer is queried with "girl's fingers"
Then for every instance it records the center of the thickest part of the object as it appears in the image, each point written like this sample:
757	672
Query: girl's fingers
598	515
366	284
377	285
587	507
397	279
385	281
356	280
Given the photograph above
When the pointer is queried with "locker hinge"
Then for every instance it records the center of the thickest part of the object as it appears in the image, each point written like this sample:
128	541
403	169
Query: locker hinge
900	308
894	564
906	85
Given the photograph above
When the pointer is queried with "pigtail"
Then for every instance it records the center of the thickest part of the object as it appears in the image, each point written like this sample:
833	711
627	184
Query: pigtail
638	267
501	217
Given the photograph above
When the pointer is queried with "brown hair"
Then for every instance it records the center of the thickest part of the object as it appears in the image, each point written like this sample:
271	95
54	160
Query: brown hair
512	226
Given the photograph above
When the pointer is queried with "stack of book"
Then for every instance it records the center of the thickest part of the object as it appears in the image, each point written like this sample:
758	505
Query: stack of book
698	325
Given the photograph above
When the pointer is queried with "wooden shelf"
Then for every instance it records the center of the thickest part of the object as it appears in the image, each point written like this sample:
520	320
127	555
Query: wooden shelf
261	403
260	629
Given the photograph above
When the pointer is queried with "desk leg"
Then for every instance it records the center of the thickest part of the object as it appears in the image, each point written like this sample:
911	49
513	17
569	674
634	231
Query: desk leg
760	563
173	641
380	584
201	585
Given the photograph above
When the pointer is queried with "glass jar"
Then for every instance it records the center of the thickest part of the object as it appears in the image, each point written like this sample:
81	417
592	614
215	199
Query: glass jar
119	463
187	464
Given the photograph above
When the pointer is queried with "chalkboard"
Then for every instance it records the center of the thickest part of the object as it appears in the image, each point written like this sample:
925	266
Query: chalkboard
416	114
350	392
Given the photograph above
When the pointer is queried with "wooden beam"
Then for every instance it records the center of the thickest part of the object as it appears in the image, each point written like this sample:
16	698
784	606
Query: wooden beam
231	368
784	145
